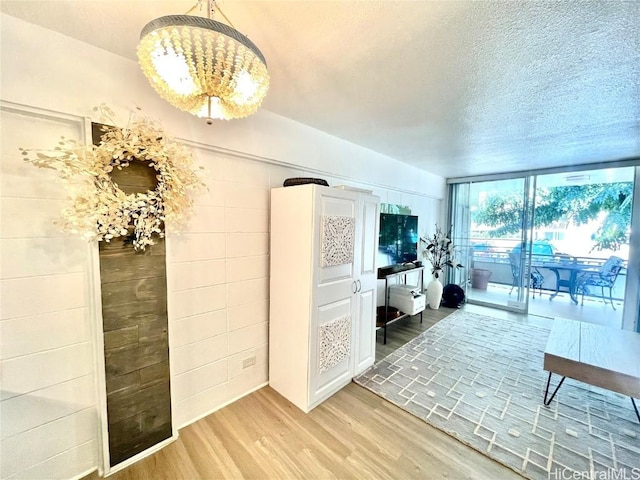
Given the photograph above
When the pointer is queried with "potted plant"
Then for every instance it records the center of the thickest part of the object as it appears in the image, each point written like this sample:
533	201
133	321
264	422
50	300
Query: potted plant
439	251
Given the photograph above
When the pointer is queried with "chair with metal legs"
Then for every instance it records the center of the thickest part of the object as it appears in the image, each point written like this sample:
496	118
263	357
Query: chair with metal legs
605	277
536	279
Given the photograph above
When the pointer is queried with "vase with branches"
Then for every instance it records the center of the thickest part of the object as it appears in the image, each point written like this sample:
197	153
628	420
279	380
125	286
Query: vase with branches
439	250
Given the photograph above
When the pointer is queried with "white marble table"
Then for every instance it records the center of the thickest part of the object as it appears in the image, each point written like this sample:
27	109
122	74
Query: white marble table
593	354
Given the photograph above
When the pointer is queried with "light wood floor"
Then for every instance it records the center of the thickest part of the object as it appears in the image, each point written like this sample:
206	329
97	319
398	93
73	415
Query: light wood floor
404	330
354	434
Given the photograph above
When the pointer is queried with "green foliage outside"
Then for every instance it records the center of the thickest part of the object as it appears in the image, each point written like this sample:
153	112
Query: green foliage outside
574	204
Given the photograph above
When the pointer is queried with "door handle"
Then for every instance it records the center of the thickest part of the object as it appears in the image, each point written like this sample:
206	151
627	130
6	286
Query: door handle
354	287
359	286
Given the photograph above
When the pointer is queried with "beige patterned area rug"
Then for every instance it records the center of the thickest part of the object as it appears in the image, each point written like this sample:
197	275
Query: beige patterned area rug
481	380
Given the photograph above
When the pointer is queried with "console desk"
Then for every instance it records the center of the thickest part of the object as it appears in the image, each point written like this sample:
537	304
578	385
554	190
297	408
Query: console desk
402	276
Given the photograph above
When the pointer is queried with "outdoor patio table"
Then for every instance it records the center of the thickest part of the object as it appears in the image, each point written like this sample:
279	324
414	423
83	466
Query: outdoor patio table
570	283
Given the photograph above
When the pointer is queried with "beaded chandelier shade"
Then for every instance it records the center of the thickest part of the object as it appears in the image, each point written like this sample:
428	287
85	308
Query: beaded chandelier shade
203	66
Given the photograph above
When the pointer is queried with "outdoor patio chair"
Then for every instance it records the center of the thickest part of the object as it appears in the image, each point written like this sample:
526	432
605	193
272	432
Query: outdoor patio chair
536	279
605	277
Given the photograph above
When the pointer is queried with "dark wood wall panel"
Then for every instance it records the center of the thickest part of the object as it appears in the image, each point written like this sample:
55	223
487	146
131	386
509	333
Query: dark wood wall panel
118	316
134	301
136	349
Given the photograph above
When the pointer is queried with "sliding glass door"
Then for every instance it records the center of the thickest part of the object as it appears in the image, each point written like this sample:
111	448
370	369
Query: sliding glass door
631	312
552	244
586	217
491	228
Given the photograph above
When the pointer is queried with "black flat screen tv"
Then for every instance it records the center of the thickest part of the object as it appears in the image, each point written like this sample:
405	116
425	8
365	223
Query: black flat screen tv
398	241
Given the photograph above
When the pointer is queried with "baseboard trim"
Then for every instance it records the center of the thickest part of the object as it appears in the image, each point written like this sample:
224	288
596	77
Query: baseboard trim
141	455
228	402
85	473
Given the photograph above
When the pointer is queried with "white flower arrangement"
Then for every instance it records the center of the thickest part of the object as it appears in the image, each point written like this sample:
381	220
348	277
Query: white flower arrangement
439	251
100	210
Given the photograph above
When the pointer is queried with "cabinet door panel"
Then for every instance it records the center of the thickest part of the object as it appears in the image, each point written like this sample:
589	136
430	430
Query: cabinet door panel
331	348
370	217
367	283
335	220
365	343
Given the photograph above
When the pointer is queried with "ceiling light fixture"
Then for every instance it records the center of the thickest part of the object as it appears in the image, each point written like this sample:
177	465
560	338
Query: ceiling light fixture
202	66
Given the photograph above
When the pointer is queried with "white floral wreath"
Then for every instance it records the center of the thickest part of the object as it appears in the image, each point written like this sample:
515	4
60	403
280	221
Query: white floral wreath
101	210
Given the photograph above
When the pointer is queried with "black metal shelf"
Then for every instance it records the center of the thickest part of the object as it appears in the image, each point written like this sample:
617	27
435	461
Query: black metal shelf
403	274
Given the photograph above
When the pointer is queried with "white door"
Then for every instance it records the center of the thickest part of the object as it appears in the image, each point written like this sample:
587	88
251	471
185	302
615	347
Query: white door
333	323
366	282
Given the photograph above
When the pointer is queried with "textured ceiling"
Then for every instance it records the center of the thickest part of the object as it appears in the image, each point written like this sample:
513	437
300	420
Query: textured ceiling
453	87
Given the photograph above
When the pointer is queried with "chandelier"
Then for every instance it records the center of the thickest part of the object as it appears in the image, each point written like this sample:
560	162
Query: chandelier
202	66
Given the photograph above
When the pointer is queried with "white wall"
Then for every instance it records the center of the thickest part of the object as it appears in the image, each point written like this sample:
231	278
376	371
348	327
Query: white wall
217	269
52	71
47	409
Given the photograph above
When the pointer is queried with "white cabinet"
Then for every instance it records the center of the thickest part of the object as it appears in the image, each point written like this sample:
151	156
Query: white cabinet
323	290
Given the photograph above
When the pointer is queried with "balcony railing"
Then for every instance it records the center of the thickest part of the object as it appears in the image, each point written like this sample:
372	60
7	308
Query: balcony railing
498	263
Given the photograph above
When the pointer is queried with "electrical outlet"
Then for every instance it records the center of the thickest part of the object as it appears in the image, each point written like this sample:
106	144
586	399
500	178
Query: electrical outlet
249	361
